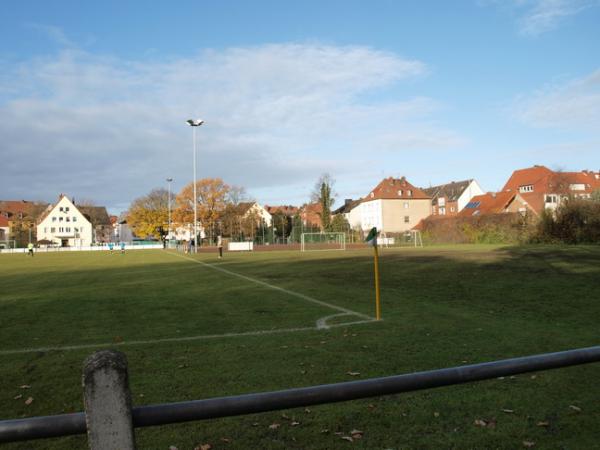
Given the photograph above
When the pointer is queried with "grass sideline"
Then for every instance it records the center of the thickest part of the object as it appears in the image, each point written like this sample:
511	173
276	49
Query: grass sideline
442	306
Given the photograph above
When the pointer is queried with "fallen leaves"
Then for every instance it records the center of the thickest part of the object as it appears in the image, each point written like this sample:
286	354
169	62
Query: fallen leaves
543	423
528	444
353	374
484	423
508	411
274	426
29	401
203	447
575	408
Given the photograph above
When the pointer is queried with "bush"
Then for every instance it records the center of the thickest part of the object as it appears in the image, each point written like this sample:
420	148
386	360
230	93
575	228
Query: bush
575	221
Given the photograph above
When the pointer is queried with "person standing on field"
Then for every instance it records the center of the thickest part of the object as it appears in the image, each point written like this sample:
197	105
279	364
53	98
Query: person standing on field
220	246
30	249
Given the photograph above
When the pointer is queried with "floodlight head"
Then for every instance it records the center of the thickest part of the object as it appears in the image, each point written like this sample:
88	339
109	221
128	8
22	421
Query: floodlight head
169	179
194	123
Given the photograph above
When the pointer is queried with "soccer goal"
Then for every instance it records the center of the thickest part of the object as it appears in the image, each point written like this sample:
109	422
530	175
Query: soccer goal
410	238
9	244
322	241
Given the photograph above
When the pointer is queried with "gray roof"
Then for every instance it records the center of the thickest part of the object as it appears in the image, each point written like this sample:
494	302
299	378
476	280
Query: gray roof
97	215
451	191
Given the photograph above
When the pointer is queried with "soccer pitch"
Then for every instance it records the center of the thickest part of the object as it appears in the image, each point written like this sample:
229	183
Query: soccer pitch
194	326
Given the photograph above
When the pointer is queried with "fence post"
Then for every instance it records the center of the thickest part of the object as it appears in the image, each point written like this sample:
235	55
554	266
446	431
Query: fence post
107	401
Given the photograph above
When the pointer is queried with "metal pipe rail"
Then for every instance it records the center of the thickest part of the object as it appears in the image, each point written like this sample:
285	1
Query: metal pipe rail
161	414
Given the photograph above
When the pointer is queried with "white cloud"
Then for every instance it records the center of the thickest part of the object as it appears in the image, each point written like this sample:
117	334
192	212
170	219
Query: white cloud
574	105
535	17
111	129
545	15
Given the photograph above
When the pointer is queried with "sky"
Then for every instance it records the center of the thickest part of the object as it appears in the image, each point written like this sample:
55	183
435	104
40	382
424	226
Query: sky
94	95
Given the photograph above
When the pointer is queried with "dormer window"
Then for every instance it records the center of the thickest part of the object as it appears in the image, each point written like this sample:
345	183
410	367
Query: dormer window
372	195
526	188
409	192
400	193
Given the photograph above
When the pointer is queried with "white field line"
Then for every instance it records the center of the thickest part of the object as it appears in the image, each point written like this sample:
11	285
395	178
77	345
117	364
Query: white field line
177	339
277	288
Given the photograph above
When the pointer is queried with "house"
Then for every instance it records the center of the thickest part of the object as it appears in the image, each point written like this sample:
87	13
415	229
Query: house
248	210
310	215
394	205
351	212
449	199
4	228
495	203
67	225
543	188
21	216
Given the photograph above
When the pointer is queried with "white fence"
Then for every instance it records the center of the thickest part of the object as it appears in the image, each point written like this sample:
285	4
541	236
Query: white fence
94	248
240	246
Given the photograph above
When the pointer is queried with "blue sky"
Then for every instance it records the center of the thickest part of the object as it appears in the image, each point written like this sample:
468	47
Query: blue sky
94	95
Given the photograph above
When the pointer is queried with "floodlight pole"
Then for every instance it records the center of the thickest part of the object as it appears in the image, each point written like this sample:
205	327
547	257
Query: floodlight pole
194	124
169	180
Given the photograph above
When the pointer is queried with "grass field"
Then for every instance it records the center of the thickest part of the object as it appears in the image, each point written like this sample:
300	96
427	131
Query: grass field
197	327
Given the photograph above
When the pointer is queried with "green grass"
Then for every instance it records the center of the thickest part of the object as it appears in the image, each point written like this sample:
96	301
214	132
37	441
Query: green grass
442	306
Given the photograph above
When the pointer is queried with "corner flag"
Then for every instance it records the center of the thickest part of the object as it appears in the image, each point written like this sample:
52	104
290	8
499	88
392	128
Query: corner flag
372	237
372	240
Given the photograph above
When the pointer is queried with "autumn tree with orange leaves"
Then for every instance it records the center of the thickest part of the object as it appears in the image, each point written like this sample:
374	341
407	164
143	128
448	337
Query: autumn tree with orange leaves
212	195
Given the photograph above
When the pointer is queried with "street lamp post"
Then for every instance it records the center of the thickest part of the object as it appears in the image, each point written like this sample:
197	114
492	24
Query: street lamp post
194	124
169	180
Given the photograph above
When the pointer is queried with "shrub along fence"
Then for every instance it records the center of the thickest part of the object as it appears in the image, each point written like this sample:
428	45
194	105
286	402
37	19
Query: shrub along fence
507	228
109	419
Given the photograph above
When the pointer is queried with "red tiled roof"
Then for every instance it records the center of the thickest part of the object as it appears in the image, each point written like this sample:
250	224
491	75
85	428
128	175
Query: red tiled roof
395	188
3	221
544	181
16	206
489	203
523	177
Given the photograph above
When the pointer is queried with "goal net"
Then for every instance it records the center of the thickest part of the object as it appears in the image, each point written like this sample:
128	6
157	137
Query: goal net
8	244
322	241
409	238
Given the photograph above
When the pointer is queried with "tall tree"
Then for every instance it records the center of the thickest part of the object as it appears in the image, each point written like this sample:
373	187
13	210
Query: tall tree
323	195
211	201
148	215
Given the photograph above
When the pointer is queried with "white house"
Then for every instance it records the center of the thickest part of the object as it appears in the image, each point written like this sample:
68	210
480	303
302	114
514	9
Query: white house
253	209
65	225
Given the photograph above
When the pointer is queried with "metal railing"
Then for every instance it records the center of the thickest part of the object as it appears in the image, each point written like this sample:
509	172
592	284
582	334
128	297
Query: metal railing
162	414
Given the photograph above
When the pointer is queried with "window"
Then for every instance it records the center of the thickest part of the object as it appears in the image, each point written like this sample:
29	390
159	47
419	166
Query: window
406	219
443	211
452	209
68	229
74	218
45	230
551	199
442	201
473	205
68	219
526	188
409	192
405	205
54	219
61	208
61	229
52	230
60	219
66	208
400	193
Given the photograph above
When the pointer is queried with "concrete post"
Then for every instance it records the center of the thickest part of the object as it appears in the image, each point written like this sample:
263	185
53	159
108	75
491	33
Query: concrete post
107	401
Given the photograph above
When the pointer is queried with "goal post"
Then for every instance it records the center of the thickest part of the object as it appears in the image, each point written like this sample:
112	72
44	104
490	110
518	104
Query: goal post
7	244
322	241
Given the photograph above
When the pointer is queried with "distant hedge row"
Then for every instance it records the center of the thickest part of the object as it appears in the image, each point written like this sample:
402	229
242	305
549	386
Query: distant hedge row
509	228
574	222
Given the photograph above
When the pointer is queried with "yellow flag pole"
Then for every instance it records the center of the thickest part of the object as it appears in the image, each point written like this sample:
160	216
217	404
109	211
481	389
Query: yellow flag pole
377	303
